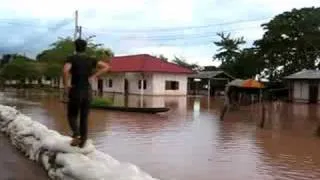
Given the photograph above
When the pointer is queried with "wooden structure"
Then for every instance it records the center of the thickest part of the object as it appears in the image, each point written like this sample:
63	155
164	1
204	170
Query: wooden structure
208	82
304	86
236	89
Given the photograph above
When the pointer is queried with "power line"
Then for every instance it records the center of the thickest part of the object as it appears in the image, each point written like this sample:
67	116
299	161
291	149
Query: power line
182	34
173	36
174	39
153	29
156	29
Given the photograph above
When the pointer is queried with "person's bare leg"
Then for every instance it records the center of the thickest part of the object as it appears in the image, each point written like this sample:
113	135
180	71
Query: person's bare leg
223	112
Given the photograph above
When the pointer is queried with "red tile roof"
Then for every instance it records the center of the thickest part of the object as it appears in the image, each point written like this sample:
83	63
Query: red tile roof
145	63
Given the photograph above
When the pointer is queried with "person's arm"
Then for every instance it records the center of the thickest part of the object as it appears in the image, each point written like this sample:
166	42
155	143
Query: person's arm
66	73
103	67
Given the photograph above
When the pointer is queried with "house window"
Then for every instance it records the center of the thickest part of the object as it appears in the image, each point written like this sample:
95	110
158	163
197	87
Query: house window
144	84
172	85
108	83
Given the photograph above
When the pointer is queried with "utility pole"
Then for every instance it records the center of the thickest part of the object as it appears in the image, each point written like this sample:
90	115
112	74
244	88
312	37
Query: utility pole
80	31
76	25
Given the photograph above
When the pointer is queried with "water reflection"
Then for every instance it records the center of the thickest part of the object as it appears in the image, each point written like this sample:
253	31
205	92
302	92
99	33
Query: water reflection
178	103
189	142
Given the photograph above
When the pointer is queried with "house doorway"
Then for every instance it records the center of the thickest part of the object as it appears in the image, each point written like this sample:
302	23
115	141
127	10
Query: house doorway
100	87
313	93
126	87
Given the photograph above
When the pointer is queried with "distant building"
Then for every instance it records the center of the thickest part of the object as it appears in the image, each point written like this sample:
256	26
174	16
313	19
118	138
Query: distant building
143	74
198	84
304	86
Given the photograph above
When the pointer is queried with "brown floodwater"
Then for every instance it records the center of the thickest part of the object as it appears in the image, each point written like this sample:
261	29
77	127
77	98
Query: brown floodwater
189	142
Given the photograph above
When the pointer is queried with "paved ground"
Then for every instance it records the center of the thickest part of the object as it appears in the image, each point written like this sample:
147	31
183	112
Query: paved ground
15	166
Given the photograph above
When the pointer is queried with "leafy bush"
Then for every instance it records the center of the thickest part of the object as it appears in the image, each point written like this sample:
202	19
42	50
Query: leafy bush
101	102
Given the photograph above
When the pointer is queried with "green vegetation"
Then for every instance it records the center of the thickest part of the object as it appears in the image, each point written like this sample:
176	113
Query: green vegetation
47	64
290	43
100	102
181	62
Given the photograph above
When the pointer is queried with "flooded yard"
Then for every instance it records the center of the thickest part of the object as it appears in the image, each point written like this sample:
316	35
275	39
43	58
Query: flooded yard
189	142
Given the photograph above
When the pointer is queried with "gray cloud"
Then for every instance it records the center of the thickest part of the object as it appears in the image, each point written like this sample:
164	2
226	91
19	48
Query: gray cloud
31	36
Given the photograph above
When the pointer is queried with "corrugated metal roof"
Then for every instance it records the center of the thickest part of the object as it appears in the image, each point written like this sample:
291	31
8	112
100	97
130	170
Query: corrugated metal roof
305	74
209	74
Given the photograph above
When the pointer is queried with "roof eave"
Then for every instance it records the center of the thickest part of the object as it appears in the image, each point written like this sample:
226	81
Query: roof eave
301	78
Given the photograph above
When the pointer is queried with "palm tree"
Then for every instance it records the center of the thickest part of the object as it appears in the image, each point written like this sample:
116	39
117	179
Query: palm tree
229	48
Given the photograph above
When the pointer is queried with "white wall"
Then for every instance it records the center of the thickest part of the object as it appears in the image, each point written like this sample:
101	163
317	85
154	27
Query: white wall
44	81
301	91
117	83
155	83
305	90
61	83
133	79
11	82
297	91
159	80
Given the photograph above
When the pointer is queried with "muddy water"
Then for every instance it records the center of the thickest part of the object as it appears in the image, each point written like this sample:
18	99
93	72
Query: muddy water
189	142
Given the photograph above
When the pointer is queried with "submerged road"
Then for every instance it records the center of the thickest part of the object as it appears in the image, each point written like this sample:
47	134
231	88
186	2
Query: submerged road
15	166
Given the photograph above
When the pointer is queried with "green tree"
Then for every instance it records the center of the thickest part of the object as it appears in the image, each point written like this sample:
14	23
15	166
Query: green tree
101	53
57	52
52	70
247	64
184	63
163	58
53	58
241	63
20	68
228	50
291	42
63	47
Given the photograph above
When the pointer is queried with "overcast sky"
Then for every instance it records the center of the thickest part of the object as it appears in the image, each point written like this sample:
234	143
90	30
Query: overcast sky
183	28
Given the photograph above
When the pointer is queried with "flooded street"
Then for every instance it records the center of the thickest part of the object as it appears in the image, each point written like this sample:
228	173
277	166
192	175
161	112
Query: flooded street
189	142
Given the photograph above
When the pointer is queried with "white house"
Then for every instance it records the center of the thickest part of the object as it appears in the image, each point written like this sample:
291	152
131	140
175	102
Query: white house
304	86
43	80
143	74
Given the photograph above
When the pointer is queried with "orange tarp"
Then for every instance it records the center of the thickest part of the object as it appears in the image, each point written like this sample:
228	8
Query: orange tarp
250	83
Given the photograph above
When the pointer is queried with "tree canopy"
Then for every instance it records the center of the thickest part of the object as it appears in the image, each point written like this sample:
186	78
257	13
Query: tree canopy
228	49
20	68
183	62
291	42
241	63
63	47
163	58
49	62
54	57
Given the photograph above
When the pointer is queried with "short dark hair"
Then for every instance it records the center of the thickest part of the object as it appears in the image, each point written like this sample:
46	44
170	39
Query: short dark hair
80	45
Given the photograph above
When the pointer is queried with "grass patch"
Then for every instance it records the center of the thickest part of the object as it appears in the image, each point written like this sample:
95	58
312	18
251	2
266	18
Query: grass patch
101	102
